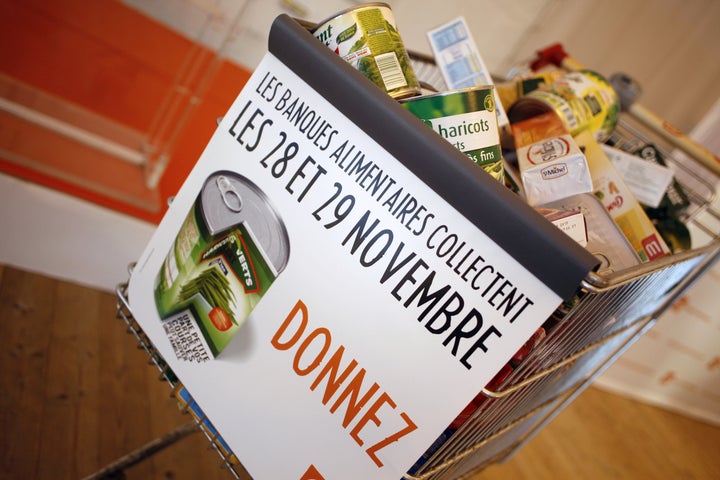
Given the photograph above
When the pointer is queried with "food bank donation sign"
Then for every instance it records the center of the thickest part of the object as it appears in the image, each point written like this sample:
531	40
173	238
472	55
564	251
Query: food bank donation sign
323	284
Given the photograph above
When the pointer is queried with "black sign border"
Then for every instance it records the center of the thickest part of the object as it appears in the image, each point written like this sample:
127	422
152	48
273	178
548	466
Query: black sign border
548	253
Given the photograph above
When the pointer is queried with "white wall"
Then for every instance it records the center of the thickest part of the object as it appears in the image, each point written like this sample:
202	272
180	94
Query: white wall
238	28
62	237
671	47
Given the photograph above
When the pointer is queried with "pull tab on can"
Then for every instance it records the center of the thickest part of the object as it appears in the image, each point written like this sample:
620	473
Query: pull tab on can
230	197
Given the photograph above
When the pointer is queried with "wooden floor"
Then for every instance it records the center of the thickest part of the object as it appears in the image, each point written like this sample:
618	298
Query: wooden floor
76	394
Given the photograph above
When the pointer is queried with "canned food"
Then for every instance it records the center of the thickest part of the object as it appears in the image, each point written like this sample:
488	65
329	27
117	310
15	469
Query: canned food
366	36
228	251
467	119
514	89
583	100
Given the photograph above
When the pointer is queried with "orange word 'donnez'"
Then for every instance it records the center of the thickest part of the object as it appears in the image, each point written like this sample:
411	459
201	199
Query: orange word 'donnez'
344	386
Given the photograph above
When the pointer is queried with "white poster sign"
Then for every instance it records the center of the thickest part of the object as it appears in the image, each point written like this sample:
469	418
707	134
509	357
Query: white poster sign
329	312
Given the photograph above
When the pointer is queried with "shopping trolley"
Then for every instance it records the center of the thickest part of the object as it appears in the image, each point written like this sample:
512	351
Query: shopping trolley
612	308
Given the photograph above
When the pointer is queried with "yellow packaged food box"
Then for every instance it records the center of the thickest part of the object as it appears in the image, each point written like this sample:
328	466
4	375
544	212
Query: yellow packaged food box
620	202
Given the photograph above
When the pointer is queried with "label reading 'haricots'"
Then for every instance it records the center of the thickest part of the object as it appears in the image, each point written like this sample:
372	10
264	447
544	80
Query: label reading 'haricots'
466	118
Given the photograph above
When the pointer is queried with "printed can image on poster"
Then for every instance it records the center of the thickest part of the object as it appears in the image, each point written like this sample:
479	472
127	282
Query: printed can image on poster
229	250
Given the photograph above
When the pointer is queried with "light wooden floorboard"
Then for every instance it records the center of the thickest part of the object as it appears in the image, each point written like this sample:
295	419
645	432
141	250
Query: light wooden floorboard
77	394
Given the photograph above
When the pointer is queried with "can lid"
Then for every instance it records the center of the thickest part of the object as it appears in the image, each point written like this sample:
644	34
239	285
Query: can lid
525	108
228	199
363	6
465	91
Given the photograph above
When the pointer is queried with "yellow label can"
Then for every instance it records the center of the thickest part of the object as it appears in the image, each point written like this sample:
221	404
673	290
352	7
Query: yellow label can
583	100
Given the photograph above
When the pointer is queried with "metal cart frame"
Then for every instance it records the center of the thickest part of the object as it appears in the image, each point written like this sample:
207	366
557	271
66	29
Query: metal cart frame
611	311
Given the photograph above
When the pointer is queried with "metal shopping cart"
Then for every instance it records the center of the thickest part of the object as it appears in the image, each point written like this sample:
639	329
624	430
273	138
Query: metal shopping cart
612	309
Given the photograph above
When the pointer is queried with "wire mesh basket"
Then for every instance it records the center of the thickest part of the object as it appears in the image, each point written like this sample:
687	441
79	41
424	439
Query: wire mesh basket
611	309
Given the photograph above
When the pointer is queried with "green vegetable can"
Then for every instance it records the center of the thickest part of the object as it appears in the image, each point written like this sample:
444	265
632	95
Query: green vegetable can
229	250
366	36
466	118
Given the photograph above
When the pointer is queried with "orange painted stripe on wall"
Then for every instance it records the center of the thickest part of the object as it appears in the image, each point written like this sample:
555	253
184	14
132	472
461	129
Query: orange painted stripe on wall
122	65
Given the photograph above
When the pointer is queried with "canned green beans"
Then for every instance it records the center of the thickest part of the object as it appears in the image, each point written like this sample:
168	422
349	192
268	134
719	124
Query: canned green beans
366	36
467	119
229	250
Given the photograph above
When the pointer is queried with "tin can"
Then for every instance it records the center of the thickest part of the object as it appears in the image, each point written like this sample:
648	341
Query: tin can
466	118
366	36
230	248
583	100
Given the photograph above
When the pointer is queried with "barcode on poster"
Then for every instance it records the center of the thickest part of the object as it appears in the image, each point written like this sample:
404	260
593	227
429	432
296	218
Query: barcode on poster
186	338
390	70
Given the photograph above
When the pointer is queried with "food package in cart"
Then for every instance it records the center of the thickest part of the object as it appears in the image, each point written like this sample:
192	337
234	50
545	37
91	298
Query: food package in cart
460	63
619	201
604	238
572	222
551	164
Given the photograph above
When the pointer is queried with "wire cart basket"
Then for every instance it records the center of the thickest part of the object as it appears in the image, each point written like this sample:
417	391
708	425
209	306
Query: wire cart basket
611	310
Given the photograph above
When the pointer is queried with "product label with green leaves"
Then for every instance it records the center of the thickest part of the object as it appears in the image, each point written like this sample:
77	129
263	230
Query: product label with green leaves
208	286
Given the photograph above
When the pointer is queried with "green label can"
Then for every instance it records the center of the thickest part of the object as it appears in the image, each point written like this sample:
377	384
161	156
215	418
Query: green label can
366	36
228	251
467	119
